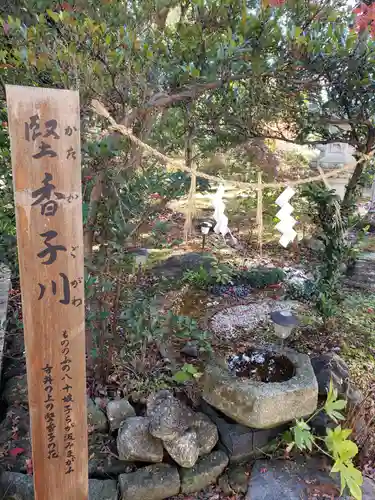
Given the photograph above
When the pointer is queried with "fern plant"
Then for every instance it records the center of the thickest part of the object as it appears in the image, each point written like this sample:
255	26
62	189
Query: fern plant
335	444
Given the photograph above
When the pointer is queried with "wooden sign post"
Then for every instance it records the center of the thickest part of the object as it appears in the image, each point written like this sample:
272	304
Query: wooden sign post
45	146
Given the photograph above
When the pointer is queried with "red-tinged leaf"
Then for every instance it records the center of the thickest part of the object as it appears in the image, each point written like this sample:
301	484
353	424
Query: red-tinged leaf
14	452
29	466
6	28
263	470
66	6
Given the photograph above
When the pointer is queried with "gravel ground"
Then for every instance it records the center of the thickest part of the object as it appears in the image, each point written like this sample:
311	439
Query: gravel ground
211	493
229	322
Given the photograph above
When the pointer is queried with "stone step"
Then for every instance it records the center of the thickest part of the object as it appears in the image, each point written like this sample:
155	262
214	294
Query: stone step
360	283
297	479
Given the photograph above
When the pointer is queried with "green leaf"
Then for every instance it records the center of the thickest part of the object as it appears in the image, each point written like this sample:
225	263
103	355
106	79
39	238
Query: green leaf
189	368
336	416
53	15
303	438
85	211
349	476
347	450
94	353
287	436
332	17
355	489
181	377
338	444
332	404
301	424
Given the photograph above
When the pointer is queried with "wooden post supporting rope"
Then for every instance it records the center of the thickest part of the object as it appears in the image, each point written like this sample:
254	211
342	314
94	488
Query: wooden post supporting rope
45	147
259	218
190	211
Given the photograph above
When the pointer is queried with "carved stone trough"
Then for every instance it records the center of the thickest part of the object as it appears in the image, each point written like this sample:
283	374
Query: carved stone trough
243	387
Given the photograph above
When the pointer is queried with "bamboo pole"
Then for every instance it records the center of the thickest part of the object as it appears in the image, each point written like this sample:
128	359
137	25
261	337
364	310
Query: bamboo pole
260	213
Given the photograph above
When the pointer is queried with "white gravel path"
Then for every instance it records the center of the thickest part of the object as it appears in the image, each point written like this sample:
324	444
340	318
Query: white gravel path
228	322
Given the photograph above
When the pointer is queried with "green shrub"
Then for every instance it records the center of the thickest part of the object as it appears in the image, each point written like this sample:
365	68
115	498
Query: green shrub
144	324
222	274
326	210
304	290
8	252
199	279
261	277
218	274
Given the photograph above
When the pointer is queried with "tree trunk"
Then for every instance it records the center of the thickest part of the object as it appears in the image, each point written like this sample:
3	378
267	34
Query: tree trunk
350	192
88	233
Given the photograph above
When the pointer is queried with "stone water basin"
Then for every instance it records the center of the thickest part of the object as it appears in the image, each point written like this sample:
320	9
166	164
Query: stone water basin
262	388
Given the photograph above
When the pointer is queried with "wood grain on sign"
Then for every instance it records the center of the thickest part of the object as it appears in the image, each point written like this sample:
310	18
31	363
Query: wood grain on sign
45	147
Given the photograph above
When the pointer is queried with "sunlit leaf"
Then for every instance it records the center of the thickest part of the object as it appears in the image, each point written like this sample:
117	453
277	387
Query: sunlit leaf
181	376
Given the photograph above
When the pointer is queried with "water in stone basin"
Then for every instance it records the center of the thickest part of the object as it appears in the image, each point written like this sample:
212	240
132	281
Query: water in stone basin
261	365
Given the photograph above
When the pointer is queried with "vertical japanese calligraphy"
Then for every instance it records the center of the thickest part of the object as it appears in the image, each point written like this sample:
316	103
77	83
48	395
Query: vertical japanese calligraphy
45	148
69	439
43	195
49	415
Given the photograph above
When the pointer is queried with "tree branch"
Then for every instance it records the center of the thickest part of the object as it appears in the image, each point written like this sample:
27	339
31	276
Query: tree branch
340	121
102	111
162	100
299	142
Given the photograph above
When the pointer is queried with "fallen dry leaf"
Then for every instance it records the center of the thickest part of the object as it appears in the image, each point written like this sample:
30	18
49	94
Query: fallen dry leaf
326	490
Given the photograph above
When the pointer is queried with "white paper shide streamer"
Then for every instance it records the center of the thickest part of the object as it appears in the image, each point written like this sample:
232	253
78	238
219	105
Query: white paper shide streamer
219	216
285	226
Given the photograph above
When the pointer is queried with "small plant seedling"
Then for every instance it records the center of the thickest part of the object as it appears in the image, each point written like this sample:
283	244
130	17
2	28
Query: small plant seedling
187	373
